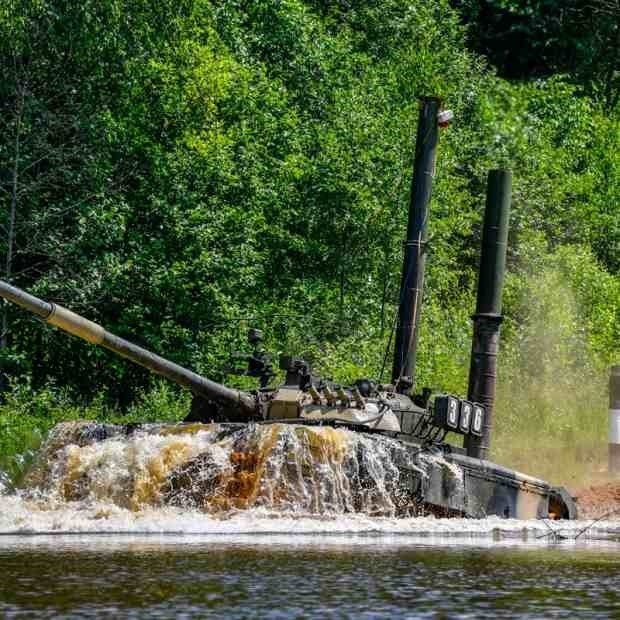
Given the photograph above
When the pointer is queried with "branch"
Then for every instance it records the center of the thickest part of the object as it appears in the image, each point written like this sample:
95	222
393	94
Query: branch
45	156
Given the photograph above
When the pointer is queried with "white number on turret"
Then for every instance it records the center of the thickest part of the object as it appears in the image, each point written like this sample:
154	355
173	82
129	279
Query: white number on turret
453	412
465	421
476	425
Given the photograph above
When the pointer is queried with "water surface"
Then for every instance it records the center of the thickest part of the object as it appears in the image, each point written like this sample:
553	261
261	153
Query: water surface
283	576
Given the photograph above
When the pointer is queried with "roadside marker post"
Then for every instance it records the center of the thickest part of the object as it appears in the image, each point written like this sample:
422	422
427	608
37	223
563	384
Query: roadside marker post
614	420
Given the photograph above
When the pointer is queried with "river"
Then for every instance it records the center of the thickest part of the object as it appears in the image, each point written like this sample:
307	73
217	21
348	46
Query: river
305	576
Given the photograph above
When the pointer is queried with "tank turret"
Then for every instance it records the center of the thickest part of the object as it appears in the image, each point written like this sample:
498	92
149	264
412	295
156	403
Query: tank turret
392	409
302	397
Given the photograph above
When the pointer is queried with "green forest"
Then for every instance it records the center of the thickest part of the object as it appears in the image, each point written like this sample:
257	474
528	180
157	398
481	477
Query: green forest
180	171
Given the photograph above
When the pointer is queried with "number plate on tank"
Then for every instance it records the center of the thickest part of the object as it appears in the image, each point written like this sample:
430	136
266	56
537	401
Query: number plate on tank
458	416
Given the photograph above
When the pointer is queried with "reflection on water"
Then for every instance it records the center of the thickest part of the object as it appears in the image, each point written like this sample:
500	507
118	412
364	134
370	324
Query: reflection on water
284	577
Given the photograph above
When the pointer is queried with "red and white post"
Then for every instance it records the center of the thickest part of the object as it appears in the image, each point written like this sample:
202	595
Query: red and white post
614	421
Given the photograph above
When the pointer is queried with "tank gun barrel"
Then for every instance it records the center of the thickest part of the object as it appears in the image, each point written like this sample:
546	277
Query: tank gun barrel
81	327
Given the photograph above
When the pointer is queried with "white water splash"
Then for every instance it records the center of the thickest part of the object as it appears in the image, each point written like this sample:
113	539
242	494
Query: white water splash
285	468
19	516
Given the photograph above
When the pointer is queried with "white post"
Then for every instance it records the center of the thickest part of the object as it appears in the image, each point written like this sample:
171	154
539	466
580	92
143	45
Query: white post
614	420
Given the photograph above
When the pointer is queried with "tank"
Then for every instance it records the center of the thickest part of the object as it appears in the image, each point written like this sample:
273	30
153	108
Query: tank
457	480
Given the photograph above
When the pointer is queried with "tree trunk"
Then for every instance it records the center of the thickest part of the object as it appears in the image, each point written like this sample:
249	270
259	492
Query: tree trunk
10	234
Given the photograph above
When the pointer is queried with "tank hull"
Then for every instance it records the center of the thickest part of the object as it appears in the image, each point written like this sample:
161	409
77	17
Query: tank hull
488	489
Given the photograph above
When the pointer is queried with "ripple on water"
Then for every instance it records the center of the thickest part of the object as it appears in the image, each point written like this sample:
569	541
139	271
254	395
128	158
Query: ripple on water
284	576
25	516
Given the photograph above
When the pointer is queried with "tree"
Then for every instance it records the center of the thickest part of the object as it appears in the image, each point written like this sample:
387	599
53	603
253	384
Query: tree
577	37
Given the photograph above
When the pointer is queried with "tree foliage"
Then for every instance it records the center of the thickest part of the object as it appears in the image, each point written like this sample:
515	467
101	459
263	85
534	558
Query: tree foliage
575	37
187	169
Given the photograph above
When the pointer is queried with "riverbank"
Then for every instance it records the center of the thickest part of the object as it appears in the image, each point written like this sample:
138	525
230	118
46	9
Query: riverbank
597	500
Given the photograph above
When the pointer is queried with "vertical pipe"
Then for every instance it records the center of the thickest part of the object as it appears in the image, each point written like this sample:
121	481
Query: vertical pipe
488	316
412	278
614	420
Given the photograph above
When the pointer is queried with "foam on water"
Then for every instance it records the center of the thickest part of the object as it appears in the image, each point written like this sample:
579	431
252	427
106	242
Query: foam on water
201	480
20	516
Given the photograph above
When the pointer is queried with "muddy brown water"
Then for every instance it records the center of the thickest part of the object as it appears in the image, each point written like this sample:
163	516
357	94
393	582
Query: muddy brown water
303	577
